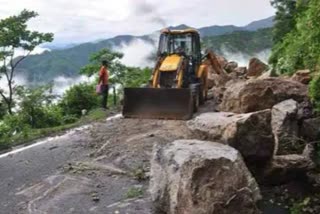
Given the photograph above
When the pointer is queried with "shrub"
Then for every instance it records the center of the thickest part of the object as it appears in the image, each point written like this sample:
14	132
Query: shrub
3	110
79	97
315	92
68	119
36	108
10	126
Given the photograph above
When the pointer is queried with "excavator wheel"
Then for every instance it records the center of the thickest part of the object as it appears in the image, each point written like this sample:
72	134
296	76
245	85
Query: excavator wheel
203	95
196	91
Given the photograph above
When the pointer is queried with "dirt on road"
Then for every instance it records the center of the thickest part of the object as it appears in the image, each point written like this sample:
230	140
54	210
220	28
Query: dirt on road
109	173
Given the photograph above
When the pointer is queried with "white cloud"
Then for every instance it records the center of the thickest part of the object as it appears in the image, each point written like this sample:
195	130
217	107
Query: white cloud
78	21
136	53
37	50
61	84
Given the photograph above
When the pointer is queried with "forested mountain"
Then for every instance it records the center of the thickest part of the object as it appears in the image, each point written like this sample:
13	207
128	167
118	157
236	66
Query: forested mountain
246	42
67	62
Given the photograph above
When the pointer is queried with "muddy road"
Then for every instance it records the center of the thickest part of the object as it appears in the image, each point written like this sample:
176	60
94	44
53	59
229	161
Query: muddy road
101	168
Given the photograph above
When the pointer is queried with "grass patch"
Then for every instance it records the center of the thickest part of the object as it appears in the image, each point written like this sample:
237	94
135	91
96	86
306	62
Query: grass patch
34	134
134	192
139	174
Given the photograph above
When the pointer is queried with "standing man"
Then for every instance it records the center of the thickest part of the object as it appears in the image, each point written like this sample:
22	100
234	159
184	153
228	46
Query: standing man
103	82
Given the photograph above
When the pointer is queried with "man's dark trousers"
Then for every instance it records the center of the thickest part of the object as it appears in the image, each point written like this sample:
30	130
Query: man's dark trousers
104	93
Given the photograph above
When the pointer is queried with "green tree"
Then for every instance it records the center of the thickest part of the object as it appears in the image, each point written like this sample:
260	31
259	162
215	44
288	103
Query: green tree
137	77
2	110
36	107
315	92
14	35
112	57
77	98
10	126
120	74
284	19
300	48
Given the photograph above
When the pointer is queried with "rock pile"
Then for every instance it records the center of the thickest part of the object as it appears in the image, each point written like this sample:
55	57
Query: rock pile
250	134
265	120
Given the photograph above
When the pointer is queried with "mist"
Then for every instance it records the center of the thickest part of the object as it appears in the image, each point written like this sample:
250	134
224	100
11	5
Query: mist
242	58
62	84
136	53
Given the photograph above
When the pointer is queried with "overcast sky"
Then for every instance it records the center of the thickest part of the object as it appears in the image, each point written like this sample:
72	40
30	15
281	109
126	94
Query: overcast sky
74	21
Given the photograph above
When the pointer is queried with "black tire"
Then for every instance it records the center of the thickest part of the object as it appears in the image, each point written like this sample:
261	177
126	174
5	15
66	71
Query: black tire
202	98
203	94
196	103
195	88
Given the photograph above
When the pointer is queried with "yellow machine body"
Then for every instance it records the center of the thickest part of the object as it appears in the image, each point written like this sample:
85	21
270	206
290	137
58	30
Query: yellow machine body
179	82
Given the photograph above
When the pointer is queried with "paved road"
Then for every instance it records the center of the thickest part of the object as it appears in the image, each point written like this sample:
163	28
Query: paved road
28	166
59	176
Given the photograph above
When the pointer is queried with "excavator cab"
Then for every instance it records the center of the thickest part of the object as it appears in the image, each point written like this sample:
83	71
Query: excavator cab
177	85
180	42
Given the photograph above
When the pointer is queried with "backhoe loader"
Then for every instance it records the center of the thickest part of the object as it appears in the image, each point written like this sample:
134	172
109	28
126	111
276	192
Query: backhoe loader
179	82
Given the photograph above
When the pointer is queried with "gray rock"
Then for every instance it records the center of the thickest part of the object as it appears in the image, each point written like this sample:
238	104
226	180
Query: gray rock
302	76
231	67
199	177
285	127
251	133
241	71
311	129
261	94
285	168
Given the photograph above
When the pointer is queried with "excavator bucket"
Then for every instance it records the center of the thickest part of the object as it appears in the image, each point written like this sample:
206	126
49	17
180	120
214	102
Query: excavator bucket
157	103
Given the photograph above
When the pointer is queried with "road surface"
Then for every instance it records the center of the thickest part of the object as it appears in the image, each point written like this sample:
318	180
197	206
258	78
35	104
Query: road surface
88	170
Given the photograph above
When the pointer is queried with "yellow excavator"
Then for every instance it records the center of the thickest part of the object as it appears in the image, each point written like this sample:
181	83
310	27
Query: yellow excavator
179	82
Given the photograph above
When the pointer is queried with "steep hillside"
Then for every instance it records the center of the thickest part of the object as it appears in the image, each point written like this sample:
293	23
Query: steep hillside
246	42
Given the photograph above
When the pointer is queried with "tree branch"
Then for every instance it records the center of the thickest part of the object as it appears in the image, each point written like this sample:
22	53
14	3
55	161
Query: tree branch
6	70
4	97
20	60
14	65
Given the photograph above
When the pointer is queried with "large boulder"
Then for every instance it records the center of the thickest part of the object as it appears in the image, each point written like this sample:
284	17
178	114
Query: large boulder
256	68
311	129
305	110
217	80
231	66
302	76
222	61
241	71
191	176
260	94
285	168
268	74
251	134
285	128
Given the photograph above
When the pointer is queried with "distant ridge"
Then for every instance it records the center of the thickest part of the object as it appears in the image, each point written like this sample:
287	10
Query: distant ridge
67	62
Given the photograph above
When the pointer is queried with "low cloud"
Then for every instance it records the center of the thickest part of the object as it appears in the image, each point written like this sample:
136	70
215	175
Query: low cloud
243	59
61	84
136	53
